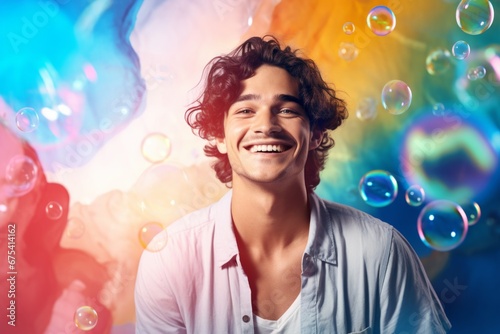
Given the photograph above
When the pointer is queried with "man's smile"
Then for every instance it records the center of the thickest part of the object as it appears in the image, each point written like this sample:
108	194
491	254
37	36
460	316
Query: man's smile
268	148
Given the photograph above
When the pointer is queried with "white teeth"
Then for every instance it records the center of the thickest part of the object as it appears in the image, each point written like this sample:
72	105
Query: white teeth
267	148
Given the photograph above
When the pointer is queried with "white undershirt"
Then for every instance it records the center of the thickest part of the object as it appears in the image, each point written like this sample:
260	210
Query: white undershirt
289	322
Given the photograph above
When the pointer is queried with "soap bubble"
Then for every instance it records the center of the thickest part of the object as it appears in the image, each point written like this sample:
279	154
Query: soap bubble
148	236
85	318
442	225
396	97
475	16
378	188
27	119
476	73
438	61
348	28
381	20
4	207
20	175
460	50
472	212
348	51
54	210
438	109
75	228
156	147
367	109
415	195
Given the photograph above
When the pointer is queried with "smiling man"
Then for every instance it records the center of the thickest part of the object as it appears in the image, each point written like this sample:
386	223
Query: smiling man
271	256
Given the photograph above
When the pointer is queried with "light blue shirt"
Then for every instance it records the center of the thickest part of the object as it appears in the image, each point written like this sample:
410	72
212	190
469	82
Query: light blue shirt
359	275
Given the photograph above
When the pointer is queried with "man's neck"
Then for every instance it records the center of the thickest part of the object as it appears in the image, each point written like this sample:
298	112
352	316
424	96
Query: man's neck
268	220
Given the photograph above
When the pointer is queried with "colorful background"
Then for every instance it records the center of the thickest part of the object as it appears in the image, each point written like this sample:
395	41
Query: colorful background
98	90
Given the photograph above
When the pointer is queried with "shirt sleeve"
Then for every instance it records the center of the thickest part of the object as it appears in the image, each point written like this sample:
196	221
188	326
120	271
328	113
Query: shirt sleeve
408	301
156	306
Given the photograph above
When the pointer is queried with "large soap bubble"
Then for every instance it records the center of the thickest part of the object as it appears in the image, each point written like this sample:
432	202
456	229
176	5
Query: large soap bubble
442	225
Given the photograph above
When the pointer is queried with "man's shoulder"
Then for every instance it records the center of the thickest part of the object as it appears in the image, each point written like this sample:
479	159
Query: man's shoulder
350	217
355	229
193	221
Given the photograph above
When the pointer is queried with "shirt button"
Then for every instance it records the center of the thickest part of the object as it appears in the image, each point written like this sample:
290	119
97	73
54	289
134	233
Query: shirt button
246	318
308	267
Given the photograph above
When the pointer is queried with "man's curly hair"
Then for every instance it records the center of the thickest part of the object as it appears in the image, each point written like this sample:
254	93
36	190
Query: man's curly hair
224	76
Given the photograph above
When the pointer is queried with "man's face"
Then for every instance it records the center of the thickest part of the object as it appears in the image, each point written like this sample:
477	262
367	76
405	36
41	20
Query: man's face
267	134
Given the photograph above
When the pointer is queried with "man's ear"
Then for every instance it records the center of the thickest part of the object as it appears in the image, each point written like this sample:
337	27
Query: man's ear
221	145
316	138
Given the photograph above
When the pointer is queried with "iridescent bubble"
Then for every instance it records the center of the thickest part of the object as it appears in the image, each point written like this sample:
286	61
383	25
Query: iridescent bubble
472	212
452	157
348	51
396	97
147	235
20	175
85	318
476	73
474	16
367	109
75	228
415	195
438	61
378	188
348	28
27	119
438	109
156	147
460	50
474	94
442	225
381	20
3	206
54	210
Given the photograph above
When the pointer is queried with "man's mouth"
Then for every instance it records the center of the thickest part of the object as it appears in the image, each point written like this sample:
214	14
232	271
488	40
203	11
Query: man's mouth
268	148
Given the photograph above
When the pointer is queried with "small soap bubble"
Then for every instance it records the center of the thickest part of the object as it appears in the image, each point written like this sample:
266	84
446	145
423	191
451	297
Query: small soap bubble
348	51
4	208
147	235
438	61
476	73
396	97
27	119
54	210
156	147
75	228
378	188
442	225
20	175
460	50
381	20
472	212
415	195
438	109
85	318
474	16
367	109
348	28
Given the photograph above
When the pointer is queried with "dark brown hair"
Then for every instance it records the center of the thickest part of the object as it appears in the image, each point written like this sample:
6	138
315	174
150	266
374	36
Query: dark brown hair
224	75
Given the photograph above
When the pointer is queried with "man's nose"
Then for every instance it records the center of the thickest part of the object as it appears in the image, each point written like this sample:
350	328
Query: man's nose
266	121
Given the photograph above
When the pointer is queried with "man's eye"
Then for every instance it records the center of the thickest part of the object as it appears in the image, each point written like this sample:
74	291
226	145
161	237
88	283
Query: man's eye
287	111
244	111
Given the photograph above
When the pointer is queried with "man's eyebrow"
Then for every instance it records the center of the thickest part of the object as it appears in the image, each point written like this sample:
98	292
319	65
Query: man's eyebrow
288	98
278	97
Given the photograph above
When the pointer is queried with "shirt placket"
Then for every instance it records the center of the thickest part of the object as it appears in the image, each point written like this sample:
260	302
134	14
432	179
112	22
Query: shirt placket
308	305
246	300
